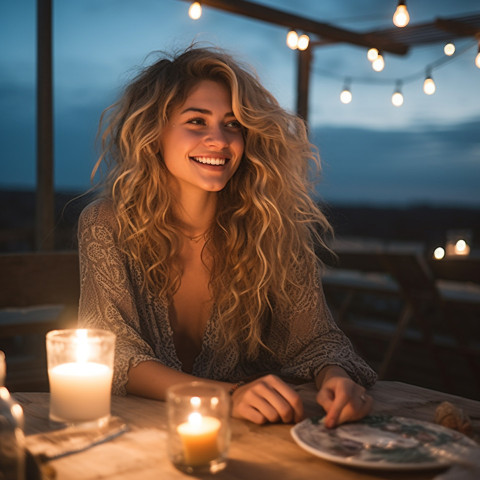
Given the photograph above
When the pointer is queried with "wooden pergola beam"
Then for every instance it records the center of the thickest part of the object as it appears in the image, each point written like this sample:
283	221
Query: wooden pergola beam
290	20
459	29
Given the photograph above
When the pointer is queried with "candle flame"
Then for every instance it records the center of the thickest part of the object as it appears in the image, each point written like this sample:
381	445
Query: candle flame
81	347
195	419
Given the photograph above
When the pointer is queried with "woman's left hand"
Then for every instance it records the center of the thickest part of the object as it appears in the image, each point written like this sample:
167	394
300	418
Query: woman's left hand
342	398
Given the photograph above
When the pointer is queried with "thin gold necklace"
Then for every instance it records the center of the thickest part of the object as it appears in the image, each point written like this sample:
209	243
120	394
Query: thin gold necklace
194	238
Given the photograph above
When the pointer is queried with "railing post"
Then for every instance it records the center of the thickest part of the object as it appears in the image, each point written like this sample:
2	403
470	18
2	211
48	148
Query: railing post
303	81
45	207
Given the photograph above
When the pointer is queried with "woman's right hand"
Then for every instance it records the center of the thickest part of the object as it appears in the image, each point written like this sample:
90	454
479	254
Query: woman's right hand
267	400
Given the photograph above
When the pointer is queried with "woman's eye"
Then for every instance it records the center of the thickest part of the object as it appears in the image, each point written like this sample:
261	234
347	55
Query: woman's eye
196	121
234	124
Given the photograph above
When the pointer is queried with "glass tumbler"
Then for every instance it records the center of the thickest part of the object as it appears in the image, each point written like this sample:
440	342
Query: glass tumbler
198	427
80	372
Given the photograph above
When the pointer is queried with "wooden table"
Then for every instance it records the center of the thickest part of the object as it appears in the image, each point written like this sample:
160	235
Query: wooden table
256	452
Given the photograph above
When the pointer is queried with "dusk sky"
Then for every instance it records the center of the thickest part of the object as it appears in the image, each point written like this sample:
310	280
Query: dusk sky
427	151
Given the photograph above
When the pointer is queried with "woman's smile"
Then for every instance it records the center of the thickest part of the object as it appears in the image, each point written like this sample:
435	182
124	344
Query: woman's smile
213	161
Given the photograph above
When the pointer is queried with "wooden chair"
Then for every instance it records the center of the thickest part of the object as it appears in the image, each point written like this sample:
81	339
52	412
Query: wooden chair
439	306
436	299
423	303
38	292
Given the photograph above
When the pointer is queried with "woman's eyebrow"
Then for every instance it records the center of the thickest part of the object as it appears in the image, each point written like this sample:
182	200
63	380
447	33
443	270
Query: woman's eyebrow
204	111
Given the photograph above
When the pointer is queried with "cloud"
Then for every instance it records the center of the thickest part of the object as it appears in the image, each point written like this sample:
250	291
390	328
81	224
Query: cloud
433	165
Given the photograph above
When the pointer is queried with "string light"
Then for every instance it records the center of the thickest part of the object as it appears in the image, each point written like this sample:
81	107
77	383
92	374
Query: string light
429	85
195	11
449	49
401	16
292	39
379	63
303	42
372	54
397	97
346	94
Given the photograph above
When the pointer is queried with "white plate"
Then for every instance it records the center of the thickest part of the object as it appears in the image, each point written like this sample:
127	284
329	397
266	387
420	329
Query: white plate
381	442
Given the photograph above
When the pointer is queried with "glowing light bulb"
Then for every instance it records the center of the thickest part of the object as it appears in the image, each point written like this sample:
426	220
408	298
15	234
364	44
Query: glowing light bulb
397	98
449	49
303	41
477	58
438	253
401	16
195	11
345	96
379	63
429	85
292	39
462	247
372	54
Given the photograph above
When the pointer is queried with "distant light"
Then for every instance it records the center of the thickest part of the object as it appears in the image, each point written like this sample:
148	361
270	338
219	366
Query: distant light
461	247
397	99
195	11
429	85
477	58
401	16
345	96
372	54
292	39
439	253
379	63
303	41
449	49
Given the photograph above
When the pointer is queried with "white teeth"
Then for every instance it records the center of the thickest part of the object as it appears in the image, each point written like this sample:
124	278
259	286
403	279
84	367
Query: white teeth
210	160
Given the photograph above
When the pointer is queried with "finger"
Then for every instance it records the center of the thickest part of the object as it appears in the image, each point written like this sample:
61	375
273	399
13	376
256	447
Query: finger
285	401
325	398
335	410
357	408
292	402
247	412
267	409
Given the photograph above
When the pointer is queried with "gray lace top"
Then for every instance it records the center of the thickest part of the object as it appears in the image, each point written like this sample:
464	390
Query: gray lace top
305	338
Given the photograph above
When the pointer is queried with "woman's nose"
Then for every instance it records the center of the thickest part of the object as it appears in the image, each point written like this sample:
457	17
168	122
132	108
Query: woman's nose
216	136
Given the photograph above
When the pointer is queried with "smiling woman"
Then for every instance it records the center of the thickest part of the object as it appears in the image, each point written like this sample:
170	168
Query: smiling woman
200	251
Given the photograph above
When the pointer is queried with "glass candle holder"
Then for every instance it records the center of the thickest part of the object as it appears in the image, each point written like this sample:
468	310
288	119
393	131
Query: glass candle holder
80	371
12	439
198	427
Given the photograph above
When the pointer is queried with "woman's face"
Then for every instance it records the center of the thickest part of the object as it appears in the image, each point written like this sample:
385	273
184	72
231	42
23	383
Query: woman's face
202	144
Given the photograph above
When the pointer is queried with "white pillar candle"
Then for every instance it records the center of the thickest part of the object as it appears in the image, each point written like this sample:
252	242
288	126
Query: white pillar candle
80	373
80	391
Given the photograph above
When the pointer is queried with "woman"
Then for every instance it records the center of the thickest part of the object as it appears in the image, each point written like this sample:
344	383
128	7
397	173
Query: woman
199	254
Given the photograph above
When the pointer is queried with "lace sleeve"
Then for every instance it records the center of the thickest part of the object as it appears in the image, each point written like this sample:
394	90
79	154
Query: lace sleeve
306	339
106	295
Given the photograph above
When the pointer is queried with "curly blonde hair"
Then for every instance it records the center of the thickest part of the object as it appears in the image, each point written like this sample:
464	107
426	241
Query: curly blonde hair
266	225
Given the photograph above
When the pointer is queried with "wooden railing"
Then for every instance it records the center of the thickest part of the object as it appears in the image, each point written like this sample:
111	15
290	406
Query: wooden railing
391	297
38	292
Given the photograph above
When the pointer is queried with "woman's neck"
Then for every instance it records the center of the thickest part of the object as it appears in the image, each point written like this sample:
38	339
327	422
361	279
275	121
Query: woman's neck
195	212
